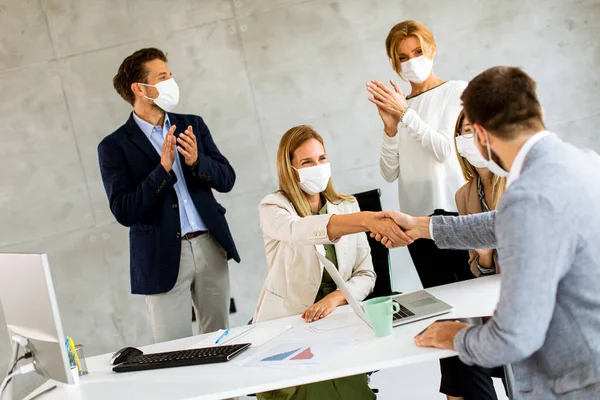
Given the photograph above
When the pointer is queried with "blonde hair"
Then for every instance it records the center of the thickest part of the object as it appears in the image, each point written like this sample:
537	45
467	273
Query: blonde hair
288	182
470	173
404	30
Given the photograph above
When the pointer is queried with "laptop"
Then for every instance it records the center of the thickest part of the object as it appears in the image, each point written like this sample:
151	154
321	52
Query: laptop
413	306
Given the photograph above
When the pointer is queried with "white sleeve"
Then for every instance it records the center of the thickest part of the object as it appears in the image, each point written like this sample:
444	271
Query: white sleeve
439	143
279	224
389	161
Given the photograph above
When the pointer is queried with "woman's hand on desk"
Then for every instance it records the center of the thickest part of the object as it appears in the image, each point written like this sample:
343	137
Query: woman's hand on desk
440	335
324	307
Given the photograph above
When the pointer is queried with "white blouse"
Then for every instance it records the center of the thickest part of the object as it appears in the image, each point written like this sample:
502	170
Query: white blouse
422	155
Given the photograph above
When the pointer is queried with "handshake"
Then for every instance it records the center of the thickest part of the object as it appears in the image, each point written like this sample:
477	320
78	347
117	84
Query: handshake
396	229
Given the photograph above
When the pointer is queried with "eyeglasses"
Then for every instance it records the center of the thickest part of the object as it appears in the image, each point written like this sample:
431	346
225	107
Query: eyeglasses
466	130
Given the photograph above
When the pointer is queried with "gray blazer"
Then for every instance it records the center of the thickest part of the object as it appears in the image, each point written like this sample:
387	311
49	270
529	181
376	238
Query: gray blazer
547	232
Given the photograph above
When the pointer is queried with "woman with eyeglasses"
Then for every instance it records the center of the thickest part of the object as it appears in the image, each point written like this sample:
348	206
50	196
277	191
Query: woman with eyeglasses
481	193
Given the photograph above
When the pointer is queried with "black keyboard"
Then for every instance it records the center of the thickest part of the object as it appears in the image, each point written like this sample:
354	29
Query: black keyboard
403	313
182	358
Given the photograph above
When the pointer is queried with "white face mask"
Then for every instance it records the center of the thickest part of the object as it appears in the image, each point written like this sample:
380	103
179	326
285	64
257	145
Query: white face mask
466	146
168	94
416	69
314	180
491	164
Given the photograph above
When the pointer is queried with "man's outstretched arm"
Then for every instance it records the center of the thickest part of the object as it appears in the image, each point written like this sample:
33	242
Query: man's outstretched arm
475	231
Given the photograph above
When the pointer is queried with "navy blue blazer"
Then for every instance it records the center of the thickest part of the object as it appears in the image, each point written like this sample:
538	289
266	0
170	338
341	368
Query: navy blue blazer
142	197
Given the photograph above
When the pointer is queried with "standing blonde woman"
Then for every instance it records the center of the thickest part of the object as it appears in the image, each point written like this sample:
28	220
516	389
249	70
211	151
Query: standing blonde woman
305	215
418	149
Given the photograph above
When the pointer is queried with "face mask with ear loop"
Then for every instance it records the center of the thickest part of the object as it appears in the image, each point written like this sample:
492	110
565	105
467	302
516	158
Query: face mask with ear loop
417	69
490	163
168	94
314	180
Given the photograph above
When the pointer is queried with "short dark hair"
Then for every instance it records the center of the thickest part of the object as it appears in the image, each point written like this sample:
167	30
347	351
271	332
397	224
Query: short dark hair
504	101
132	70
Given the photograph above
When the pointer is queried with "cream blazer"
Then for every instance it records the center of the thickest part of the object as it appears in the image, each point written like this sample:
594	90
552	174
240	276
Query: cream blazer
295	271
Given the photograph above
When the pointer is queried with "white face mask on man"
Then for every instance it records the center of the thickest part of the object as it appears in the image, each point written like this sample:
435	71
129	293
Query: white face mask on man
489	162
314	180
168	94
416	69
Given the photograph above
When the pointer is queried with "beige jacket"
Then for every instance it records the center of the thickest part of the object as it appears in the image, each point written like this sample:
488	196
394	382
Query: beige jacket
467	202
295	271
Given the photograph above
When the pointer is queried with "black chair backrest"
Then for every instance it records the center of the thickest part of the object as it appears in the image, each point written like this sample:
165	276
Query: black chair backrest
371	201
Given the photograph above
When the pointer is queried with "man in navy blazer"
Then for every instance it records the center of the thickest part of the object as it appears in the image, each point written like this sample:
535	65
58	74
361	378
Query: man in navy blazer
159	170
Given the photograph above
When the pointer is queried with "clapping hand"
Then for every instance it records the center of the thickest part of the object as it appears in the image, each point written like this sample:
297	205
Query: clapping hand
188	146
392	101
167	155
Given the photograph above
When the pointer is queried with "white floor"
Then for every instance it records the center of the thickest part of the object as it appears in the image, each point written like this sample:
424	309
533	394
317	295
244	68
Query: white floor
420	382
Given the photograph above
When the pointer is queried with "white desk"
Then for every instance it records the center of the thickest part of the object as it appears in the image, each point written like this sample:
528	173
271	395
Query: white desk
476	297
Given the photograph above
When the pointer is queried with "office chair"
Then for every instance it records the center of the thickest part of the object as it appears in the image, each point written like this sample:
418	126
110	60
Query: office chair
371	201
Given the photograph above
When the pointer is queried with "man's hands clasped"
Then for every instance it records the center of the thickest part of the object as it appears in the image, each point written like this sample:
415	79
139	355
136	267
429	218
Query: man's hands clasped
186	145
386	230
396	229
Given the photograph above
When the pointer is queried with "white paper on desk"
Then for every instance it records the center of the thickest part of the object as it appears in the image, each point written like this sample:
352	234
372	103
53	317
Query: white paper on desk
211	338
335	322
257	335
305	334
295	355
260	335
338	327
235	334
208	341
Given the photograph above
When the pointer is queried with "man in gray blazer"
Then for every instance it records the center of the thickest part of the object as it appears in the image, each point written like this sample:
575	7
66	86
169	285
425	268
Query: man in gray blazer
547	232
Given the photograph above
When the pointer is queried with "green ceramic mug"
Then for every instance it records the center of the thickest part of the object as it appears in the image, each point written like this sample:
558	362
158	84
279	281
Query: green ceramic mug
380	311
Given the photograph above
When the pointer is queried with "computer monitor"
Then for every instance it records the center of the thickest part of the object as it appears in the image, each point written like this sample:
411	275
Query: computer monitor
31	311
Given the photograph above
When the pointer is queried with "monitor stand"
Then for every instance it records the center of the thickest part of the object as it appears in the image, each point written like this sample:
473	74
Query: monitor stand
17	343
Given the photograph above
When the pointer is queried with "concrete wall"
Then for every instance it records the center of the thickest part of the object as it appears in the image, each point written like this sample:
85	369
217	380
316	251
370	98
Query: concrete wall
252	69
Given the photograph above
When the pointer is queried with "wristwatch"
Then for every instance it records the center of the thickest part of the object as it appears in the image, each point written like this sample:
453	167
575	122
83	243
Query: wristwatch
486	271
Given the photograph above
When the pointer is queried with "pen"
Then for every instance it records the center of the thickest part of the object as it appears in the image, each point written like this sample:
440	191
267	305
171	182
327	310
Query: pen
222	336
74	351
69	353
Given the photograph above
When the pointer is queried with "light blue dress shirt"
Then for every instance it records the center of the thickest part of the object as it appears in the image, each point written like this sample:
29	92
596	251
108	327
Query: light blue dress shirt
188	215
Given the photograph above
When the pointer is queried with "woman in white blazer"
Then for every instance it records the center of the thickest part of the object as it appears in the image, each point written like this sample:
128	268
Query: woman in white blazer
305	215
